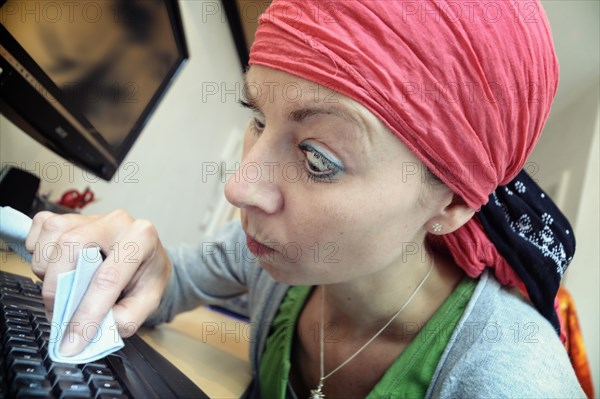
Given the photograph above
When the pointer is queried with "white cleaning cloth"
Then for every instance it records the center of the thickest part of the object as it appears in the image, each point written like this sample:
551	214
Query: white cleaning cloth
101	339
71	286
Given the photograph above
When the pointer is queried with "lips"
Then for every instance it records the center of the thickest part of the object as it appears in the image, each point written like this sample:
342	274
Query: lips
257	248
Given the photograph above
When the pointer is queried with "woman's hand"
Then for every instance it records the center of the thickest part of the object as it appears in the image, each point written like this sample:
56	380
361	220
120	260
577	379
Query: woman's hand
130	280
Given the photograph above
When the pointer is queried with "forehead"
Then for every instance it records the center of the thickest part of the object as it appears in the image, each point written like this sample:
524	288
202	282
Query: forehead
350	124
302	99
263	83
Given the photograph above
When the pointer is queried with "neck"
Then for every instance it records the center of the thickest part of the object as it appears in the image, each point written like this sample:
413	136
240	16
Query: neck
362	306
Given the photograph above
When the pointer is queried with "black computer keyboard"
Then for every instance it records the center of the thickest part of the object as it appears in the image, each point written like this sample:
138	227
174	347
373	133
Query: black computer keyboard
26	371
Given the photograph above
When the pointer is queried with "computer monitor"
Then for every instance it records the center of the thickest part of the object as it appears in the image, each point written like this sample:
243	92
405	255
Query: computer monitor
83	77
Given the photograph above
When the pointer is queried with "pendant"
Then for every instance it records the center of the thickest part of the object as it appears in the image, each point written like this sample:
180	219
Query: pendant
317	393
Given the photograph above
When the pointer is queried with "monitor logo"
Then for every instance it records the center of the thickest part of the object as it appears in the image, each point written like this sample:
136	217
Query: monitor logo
62	133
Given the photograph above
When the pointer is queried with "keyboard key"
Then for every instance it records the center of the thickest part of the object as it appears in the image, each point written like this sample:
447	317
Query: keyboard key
113	396
50	364
41	323
70	373
37	318
69	388
26	337
42	338
17	324
42	335
40	313
43	349
14	310
42	328
28	371
19	352
12	315
24	358
106	386
21	347
13	328
31	293
9	284
99	363
91	371
31	387
29	286
35	302
9	290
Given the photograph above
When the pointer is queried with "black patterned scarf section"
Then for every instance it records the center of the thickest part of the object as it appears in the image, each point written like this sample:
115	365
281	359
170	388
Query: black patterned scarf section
533	236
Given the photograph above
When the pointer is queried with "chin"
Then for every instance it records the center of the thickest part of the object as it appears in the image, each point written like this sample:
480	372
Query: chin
283	276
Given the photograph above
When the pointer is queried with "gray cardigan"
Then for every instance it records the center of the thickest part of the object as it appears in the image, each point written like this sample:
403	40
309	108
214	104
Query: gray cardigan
501	347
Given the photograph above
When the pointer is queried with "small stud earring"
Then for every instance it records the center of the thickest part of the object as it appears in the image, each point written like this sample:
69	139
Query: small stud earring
437	227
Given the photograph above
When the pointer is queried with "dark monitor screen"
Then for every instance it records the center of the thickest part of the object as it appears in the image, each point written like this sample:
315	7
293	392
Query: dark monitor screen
83	77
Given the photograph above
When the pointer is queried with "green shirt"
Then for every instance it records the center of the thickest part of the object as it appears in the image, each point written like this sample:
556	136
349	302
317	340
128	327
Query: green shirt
408	376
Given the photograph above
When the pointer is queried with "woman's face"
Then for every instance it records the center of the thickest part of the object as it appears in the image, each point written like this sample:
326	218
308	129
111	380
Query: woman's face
324	184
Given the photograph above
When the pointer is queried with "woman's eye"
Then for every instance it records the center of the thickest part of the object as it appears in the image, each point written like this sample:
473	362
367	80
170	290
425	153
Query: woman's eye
258	120
319	167
258	124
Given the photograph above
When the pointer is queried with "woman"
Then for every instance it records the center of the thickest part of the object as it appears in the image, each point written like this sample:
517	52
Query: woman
380	180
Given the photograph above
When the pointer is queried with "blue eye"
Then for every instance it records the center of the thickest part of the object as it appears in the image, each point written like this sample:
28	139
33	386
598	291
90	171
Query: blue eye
320	167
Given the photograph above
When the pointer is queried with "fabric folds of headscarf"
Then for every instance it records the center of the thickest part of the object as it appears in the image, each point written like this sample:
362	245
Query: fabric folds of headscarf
466	86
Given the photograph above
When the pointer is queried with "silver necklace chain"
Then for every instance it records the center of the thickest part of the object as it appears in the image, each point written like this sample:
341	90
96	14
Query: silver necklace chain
317	393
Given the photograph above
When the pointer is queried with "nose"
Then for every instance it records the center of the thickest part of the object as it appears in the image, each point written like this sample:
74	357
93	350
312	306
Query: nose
255	184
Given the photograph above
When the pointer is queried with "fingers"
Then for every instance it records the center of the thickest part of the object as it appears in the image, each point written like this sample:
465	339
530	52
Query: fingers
143	297
132	311
45	229
75	235
56	241
135	249
46	240
36	228
136	266
129	314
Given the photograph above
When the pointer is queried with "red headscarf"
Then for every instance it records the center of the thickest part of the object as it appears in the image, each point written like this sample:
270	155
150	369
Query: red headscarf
466	86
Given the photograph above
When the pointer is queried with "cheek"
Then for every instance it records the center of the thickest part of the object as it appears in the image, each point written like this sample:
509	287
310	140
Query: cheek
354	232
378	237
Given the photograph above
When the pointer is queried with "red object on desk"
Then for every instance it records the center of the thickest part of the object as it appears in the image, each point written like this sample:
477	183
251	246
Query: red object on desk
76	200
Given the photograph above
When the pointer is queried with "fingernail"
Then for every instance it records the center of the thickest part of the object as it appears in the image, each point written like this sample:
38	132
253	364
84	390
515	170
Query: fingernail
71	344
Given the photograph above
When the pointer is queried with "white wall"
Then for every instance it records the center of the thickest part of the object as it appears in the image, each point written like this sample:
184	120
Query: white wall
560	159
583	279
566	163
161	179
568	154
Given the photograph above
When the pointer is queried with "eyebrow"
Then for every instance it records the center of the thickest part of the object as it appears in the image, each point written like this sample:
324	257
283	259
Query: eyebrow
301	114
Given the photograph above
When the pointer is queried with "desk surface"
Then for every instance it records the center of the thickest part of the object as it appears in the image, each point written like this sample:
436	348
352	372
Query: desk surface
207	346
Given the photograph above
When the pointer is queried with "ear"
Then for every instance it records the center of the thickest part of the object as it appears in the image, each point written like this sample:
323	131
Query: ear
451	217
